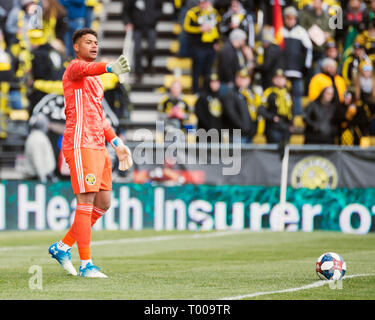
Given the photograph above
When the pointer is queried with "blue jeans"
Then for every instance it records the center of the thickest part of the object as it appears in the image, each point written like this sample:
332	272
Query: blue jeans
15	99
203	59
73	25
297	92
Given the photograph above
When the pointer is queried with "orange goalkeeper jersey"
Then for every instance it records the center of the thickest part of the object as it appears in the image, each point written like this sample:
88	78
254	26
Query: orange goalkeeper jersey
86	126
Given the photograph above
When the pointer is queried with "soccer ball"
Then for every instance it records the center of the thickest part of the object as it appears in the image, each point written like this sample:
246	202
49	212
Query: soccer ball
330	266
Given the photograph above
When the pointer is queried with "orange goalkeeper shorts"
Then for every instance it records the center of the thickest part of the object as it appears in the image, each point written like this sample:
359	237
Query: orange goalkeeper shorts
90	169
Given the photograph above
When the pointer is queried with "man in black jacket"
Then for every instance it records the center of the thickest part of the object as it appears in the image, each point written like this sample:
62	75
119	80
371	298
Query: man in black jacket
234	56
273	58
237	108
209	106
141	16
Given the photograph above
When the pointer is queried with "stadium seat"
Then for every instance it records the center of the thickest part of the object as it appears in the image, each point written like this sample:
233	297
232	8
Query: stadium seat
186	81
179	63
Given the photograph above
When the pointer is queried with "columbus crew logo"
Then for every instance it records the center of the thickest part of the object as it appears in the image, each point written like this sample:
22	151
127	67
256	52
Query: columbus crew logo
314	172
90	179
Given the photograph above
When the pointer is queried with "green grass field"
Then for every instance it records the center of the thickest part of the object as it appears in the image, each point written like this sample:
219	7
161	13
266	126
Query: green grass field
149	265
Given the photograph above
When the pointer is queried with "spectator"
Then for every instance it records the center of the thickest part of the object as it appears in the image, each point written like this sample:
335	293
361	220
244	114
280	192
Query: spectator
201	25
351	64
237	18
141	16
312	17
297	55
354	15
39	156
367	39
277	109
209	105
316	22
20	19
272	58
238	112
76	20
90	7
331	51
8	69
5	8
320	118
174	108
364	86
354	123
47	68
234	56
54	22
328	77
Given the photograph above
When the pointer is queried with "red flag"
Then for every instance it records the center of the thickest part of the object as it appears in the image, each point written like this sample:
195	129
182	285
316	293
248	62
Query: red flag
278	24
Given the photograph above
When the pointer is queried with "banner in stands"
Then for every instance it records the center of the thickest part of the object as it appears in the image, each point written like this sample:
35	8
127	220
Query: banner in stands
307	168
35	206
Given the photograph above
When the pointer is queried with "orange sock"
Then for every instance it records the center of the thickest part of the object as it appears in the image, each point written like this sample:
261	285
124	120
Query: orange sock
96	214
81	230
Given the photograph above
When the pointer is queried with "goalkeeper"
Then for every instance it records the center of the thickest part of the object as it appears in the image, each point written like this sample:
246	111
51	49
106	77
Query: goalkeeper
84	149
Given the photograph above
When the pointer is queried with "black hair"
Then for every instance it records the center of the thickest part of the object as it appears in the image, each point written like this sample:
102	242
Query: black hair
81	32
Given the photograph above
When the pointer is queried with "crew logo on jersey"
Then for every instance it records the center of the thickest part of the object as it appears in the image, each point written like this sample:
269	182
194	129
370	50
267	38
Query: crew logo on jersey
90	179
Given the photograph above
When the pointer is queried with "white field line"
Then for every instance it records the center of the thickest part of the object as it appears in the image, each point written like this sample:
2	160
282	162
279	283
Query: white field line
316	284
140	239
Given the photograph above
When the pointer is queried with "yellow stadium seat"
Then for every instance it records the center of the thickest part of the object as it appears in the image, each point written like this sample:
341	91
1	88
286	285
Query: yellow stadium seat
19	115
297	139
298	122
176	29
179	63
174	46
186	81
259	139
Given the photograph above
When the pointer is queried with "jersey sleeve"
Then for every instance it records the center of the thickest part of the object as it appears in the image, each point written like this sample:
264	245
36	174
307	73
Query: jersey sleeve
109	133
79	69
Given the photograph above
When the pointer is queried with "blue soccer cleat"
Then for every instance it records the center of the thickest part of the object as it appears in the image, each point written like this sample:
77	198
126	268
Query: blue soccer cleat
91	271
62	257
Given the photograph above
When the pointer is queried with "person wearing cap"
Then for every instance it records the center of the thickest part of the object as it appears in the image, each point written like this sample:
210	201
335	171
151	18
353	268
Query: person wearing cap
331	51
351	64
297	55
209	105
234	56
328	77
201	27
239	110
277	109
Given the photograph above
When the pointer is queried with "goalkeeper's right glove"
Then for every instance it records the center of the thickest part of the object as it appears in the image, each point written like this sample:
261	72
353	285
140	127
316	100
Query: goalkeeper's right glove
120	66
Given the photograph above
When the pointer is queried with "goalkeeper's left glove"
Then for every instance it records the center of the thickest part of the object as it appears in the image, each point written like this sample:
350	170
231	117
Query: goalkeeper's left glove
120	66
123	154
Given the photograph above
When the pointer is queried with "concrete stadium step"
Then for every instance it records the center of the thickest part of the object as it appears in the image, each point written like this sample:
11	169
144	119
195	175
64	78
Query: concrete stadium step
116	29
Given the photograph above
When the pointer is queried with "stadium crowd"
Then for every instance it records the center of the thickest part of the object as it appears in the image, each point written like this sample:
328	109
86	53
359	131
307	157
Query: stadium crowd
256	65
262	65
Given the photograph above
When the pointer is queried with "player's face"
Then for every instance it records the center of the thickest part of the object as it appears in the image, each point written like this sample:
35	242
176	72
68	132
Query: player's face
86	48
